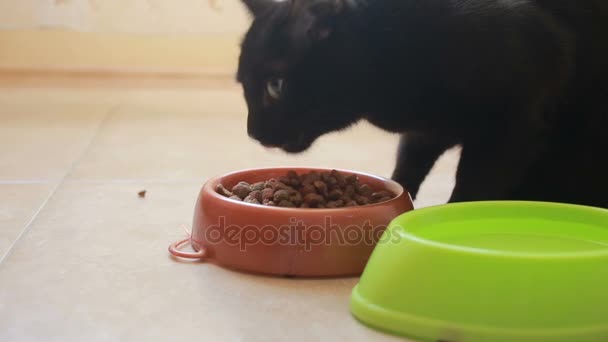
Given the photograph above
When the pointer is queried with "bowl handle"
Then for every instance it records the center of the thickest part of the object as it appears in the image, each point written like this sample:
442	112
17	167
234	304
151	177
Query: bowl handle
174	249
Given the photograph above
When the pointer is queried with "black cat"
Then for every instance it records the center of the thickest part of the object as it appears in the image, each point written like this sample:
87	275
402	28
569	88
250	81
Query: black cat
521	85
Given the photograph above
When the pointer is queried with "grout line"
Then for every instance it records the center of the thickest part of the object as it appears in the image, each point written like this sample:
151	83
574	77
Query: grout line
105	181
86	149
28	225
27	181
137	181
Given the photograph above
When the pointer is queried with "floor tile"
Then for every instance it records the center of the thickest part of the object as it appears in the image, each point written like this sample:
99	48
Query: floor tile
94	267
40	140
18	205
33	98
141	142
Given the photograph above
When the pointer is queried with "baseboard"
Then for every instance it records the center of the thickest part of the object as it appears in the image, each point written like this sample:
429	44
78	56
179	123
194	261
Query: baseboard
44	77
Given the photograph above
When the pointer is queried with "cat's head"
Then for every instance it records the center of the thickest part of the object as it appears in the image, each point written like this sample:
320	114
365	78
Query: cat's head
296	83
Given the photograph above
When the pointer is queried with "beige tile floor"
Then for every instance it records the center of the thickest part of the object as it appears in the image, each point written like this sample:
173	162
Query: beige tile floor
82	258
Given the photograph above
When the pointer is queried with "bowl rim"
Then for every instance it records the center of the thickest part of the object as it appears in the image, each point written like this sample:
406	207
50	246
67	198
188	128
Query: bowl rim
393	322
602	253
212	182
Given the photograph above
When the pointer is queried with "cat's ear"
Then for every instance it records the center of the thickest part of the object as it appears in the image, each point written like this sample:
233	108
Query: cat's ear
326	8
324	12
256	7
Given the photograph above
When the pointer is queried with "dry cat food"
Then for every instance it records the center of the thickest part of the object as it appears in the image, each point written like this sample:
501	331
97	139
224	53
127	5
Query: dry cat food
310	190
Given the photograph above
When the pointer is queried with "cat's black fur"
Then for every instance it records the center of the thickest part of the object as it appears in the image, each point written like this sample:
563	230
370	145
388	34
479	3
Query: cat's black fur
521	85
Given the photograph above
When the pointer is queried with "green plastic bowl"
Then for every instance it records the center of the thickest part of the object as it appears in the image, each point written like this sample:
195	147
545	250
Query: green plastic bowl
490	272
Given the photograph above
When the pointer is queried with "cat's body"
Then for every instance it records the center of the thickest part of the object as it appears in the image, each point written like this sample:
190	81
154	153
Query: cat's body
521	85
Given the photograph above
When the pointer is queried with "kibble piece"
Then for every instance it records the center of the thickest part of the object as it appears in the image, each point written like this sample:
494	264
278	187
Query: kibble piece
292	174
381	194
296	198
362	200
223	191
267	194
351	179
295	182
334	187
254	195
269	203
281	195
335	194
345	199
259	186
325	176
339	177
349	191
252	200
235	197
335	204
365	189
321	187
284	179
313	176
242	189
308	189
313	200
332	181
280	186
286	204
350	203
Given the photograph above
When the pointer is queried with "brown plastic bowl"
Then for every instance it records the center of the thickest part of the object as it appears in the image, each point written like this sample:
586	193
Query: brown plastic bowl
289	241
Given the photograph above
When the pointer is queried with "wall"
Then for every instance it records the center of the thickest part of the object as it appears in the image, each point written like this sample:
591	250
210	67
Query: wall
126	16
121	35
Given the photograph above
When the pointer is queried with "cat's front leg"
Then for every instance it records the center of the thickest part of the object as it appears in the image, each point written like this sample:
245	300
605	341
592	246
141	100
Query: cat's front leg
492	168
416	156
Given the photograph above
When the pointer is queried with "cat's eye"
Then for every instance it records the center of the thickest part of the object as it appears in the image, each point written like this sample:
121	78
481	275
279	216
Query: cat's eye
274	87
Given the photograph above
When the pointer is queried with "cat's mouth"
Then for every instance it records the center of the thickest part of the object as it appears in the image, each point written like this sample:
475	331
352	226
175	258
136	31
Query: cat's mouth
297	146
